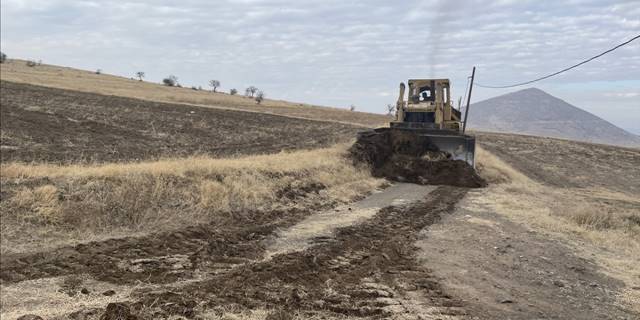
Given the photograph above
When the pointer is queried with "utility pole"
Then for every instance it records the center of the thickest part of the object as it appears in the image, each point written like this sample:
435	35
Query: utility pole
466	111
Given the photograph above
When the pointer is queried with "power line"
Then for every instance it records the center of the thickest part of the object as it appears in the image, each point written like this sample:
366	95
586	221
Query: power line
561	71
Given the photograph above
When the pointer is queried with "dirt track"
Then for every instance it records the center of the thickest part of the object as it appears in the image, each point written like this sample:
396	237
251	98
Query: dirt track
55	125
367	269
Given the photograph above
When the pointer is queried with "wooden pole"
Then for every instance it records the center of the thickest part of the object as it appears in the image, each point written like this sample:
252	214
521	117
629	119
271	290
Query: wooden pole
466	111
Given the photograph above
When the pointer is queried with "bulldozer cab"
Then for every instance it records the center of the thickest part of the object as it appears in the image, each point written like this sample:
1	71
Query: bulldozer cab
428	106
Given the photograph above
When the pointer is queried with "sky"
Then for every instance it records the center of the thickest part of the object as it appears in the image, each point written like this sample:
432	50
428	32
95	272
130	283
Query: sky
341	53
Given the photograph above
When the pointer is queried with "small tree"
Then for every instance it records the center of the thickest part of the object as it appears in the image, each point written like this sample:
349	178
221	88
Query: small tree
250	91
259	97
214	84
140	75
390	109
233	91
171	81
352	108
3	57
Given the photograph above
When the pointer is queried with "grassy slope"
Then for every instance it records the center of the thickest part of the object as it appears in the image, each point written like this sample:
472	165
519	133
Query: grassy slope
86	81
47	205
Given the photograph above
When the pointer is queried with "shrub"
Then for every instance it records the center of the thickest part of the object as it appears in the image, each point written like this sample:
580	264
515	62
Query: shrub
31	63
259	97
171	81
99	71
233	92
3	57
250	91
390	109
352	108
214	84
140	75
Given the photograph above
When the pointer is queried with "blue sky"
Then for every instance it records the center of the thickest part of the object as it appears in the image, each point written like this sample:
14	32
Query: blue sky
338	53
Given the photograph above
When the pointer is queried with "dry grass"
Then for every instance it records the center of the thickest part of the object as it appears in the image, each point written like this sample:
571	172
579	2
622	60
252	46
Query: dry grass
597	223
88	81
78	202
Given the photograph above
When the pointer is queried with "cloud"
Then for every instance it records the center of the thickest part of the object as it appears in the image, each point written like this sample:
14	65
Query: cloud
349	52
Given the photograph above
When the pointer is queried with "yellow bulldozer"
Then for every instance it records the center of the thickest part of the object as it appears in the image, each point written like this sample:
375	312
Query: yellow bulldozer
425	143
428	115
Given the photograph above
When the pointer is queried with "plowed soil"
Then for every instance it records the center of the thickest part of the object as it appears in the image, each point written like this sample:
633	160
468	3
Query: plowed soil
365	270
567	164
409	161
54	125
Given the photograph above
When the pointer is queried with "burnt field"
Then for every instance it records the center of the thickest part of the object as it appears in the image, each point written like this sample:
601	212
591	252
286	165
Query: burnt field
567	164
41	124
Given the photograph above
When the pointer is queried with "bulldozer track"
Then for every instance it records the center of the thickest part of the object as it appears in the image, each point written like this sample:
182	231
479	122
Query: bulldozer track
368	269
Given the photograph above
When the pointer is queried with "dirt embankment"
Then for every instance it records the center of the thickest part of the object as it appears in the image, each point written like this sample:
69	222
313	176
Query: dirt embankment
53	125
412	163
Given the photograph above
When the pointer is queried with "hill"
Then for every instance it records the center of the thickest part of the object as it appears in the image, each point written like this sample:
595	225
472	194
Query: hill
535	112
56	125
88	81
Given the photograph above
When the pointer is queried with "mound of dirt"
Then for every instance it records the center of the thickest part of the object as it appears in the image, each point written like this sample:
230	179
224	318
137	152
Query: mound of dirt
402	157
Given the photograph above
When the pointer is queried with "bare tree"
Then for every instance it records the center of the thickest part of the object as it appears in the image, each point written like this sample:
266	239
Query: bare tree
215	84
233	91
352	108
259	96
140	75
250	91
390	109
171	81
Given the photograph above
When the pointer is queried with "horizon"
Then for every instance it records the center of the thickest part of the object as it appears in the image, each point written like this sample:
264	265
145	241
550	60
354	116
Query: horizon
338	54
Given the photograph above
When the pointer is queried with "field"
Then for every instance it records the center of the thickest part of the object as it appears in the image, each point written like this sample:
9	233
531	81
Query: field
51	125
226	214
86	81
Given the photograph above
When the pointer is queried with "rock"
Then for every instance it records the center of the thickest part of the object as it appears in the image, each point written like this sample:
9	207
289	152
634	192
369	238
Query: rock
30	317
85	291
558	283
506	301
109	293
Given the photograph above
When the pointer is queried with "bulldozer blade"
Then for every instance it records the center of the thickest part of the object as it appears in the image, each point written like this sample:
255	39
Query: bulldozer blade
460	147
419	141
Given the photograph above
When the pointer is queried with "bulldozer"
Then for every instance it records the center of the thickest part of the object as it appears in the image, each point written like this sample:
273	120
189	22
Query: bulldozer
425	143
428	119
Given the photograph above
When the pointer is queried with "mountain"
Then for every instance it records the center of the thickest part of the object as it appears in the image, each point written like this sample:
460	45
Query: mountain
535	112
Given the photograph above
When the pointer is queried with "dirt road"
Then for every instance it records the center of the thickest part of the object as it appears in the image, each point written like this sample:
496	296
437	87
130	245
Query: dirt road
409	252
367	267
503	270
